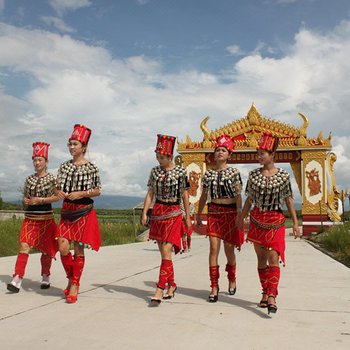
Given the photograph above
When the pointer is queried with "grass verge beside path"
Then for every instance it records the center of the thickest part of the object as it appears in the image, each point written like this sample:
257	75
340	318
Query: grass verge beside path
335	242
116	228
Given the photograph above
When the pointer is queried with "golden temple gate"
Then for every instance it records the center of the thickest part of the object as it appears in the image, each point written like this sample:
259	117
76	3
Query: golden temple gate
311	161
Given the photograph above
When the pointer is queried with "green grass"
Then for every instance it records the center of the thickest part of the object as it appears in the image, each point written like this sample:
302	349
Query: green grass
336	241
116	228
9	233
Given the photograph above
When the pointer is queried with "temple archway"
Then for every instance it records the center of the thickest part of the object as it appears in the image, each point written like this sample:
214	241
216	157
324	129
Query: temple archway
311	160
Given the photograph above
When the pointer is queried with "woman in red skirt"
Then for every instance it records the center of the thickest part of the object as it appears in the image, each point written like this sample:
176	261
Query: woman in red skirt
267	189
168	183
78	181
222	187
39	228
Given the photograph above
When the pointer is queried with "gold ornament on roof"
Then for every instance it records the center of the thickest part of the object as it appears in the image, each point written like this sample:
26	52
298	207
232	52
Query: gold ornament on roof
246	131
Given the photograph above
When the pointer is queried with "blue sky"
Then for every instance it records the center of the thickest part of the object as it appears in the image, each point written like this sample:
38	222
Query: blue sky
130	69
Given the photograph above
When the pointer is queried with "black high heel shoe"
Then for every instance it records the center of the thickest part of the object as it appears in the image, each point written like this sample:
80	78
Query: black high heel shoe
232	291
169	296
156	301
213	298
271	308
263	303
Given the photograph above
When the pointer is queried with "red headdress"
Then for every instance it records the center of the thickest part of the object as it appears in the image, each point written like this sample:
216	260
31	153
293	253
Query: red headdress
225	141
81	133
41	149
165	144
268	142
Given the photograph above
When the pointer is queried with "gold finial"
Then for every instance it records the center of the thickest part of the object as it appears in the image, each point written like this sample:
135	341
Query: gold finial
253	115
206	132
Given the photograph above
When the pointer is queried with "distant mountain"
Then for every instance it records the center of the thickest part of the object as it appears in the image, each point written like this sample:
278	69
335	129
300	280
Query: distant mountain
116	202
120	202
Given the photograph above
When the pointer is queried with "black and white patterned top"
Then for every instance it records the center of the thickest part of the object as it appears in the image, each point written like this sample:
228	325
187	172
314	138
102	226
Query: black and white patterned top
269	192
37	186
168	185
225	183
71	177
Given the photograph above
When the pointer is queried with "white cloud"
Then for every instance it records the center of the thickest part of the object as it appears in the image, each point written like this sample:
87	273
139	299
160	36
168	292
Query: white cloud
126	102
57	23
234	50
61	6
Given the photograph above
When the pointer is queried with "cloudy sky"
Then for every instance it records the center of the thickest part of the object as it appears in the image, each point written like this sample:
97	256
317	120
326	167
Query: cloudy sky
130	69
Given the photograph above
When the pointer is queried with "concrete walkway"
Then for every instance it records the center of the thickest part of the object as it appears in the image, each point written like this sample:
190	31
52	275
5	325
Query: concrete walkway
113	308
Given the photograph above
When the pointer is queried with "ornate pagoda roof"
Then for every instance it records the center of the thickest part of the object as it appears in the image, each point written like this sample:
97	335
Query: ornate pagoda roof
246	133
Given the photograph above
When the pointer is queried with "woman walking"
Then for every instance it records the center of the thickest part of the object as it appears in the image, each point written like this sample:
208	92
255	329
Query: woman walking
167	184
78	181
39	228
267	189
222	188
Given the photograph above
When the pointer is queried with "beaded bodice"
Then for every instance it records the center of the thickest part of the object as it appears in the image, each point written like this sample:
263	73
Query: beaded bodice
268	192
73	177
37	186
168	185
225	183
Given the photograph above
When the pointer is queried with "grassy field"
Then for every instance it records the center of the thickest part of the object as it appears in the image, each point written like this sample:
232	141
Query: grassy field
336	242
116	228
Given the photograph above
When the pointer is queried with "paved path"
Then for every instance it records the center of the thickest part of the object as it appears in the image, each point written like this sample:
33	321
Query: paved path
113	313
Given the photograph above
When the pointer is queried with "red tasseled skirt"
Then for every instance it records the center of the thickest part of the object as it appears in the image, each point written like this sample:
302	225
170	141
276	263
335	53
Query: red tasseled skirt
84	230
40	234
166	225
222	224
269	238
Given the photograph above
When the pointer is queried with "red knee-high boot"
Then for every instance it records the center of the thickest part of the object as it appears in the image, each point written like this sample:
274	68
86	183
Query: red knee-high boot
46	261
263	275
273	280
67	262
231	275
214	274
171	275
21	263
164	273
78	267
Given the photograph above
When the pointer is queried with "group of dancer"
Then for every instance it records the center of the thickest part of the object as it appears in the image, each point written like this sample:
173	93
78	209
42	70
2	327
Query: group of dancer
76	183
267	189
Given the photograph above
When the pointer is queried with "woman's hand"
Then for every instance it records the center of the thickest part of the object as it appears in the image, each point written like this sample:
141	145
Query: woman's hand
188	222
144	219
296	231
60	194
75	195
33	201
